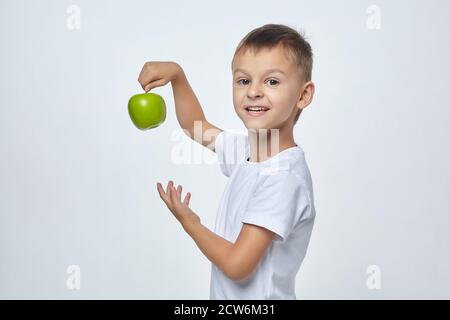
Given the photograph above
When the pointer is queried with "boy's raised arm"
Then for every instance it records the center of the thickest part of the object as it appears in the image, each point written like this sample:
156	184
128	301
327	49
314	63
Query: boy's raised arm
190	113
187	107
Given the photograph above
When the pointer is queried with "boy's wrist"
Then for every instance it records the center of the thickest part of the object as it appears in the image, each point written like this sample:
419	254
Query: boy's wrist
178	72
189	225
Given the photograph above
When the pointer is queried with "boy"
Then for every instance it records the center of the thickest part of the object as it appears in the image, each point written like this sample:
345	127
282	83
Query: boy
266	214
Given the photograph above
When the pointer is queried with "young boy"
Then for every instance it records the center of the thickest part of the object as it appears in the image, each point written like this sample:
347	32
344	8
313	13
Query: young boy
266	214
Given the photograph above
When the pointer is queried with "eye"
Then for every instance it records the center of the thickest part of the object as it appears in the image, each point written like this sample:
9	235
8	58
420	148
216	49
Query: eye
239	81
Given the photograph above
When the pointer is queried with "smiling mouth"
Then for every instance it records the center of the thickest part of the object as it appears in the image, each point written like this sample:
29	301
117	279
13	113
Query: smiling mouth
256	111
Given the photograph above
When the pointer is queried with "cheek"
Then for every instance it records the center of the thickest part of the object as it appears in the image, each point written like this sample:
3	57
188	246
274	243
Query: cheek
238	98
283	106
280	101
235	102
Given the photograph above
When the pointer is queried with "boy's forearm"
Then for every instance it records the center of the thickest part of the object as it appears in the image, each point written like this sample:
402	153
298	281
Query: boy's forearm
187	106
213	246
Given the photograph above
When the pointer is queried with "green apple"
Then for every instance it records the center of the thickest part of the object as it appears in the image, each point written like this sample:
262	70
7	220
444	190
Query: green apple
147	110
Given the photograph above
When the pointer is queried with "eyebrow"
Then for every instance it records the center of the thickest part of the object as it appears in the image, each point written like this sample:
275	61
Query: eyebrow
267	71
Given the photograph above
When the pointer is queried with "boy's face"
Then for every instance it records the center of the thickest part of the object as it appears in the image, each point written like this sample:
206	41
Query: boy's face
254	84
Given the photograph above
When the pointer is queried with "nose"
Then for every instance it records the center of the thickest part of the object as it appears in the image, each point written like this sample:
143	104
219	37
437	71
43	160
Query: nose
254	91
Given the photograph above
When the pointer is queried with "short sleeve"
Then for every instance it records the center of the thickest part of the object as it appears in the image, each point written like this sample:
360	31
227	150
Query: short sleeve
279	204
230	150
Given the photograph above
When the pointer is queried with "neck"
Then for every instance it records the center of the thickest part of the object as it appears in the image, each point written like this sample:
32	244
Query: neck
266	143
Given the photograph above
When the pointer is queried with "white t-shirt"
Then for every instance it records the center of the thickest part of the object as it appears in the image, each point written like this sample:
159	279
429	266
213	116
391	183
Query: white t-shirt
276	194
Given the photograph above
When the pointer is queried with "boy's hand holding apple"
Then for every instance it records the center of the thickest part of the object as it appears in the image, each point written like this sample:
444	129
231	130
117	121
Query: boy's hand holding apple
148	110
157	74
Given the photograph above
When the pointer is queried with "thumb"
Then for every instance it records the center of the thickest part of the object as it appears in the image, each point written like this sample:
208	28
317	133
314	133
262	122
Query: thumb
154	84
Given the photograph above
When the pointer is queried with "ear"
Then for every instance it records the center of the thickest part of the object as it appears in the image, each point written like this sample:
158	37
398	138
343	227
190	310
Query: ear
306	96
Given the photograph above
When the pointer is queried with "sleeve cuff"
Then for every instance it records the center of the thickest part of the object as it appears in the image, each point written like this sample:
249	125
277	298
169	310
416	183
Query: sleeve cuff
262	221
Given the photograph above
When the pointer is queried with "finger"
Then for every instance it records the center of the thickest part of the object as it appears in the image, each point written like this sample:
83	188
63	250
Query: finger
145	76
140	76
148	87
154	84
187	198
160	189
161	192
173	194
168	186
179	190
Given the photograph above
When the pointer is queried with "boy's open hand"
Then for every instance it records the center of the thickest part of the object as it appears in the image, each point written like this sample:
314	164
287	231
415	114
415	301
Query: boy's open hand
157	74
172	198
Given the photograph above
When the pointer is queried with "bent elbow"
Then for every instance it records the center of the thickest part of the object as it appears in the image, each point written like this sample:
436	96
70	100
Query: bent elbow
237	272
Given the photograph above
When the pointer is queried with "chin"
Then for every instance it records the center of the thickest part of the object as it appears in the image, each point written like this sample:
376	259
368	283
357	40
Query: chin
256	124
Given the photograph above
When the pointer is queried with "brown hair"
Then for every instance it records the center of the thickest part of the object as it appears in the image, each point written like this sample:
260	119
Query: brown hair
269	36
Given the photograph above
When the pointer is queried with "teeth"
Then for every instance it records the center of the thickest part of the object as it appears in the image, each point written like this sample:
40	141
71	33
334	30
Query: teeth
257	108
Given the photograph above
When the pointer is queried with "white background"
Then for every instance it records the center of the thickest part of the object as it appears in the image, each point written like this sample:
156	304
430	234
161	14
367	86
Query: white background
78	180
